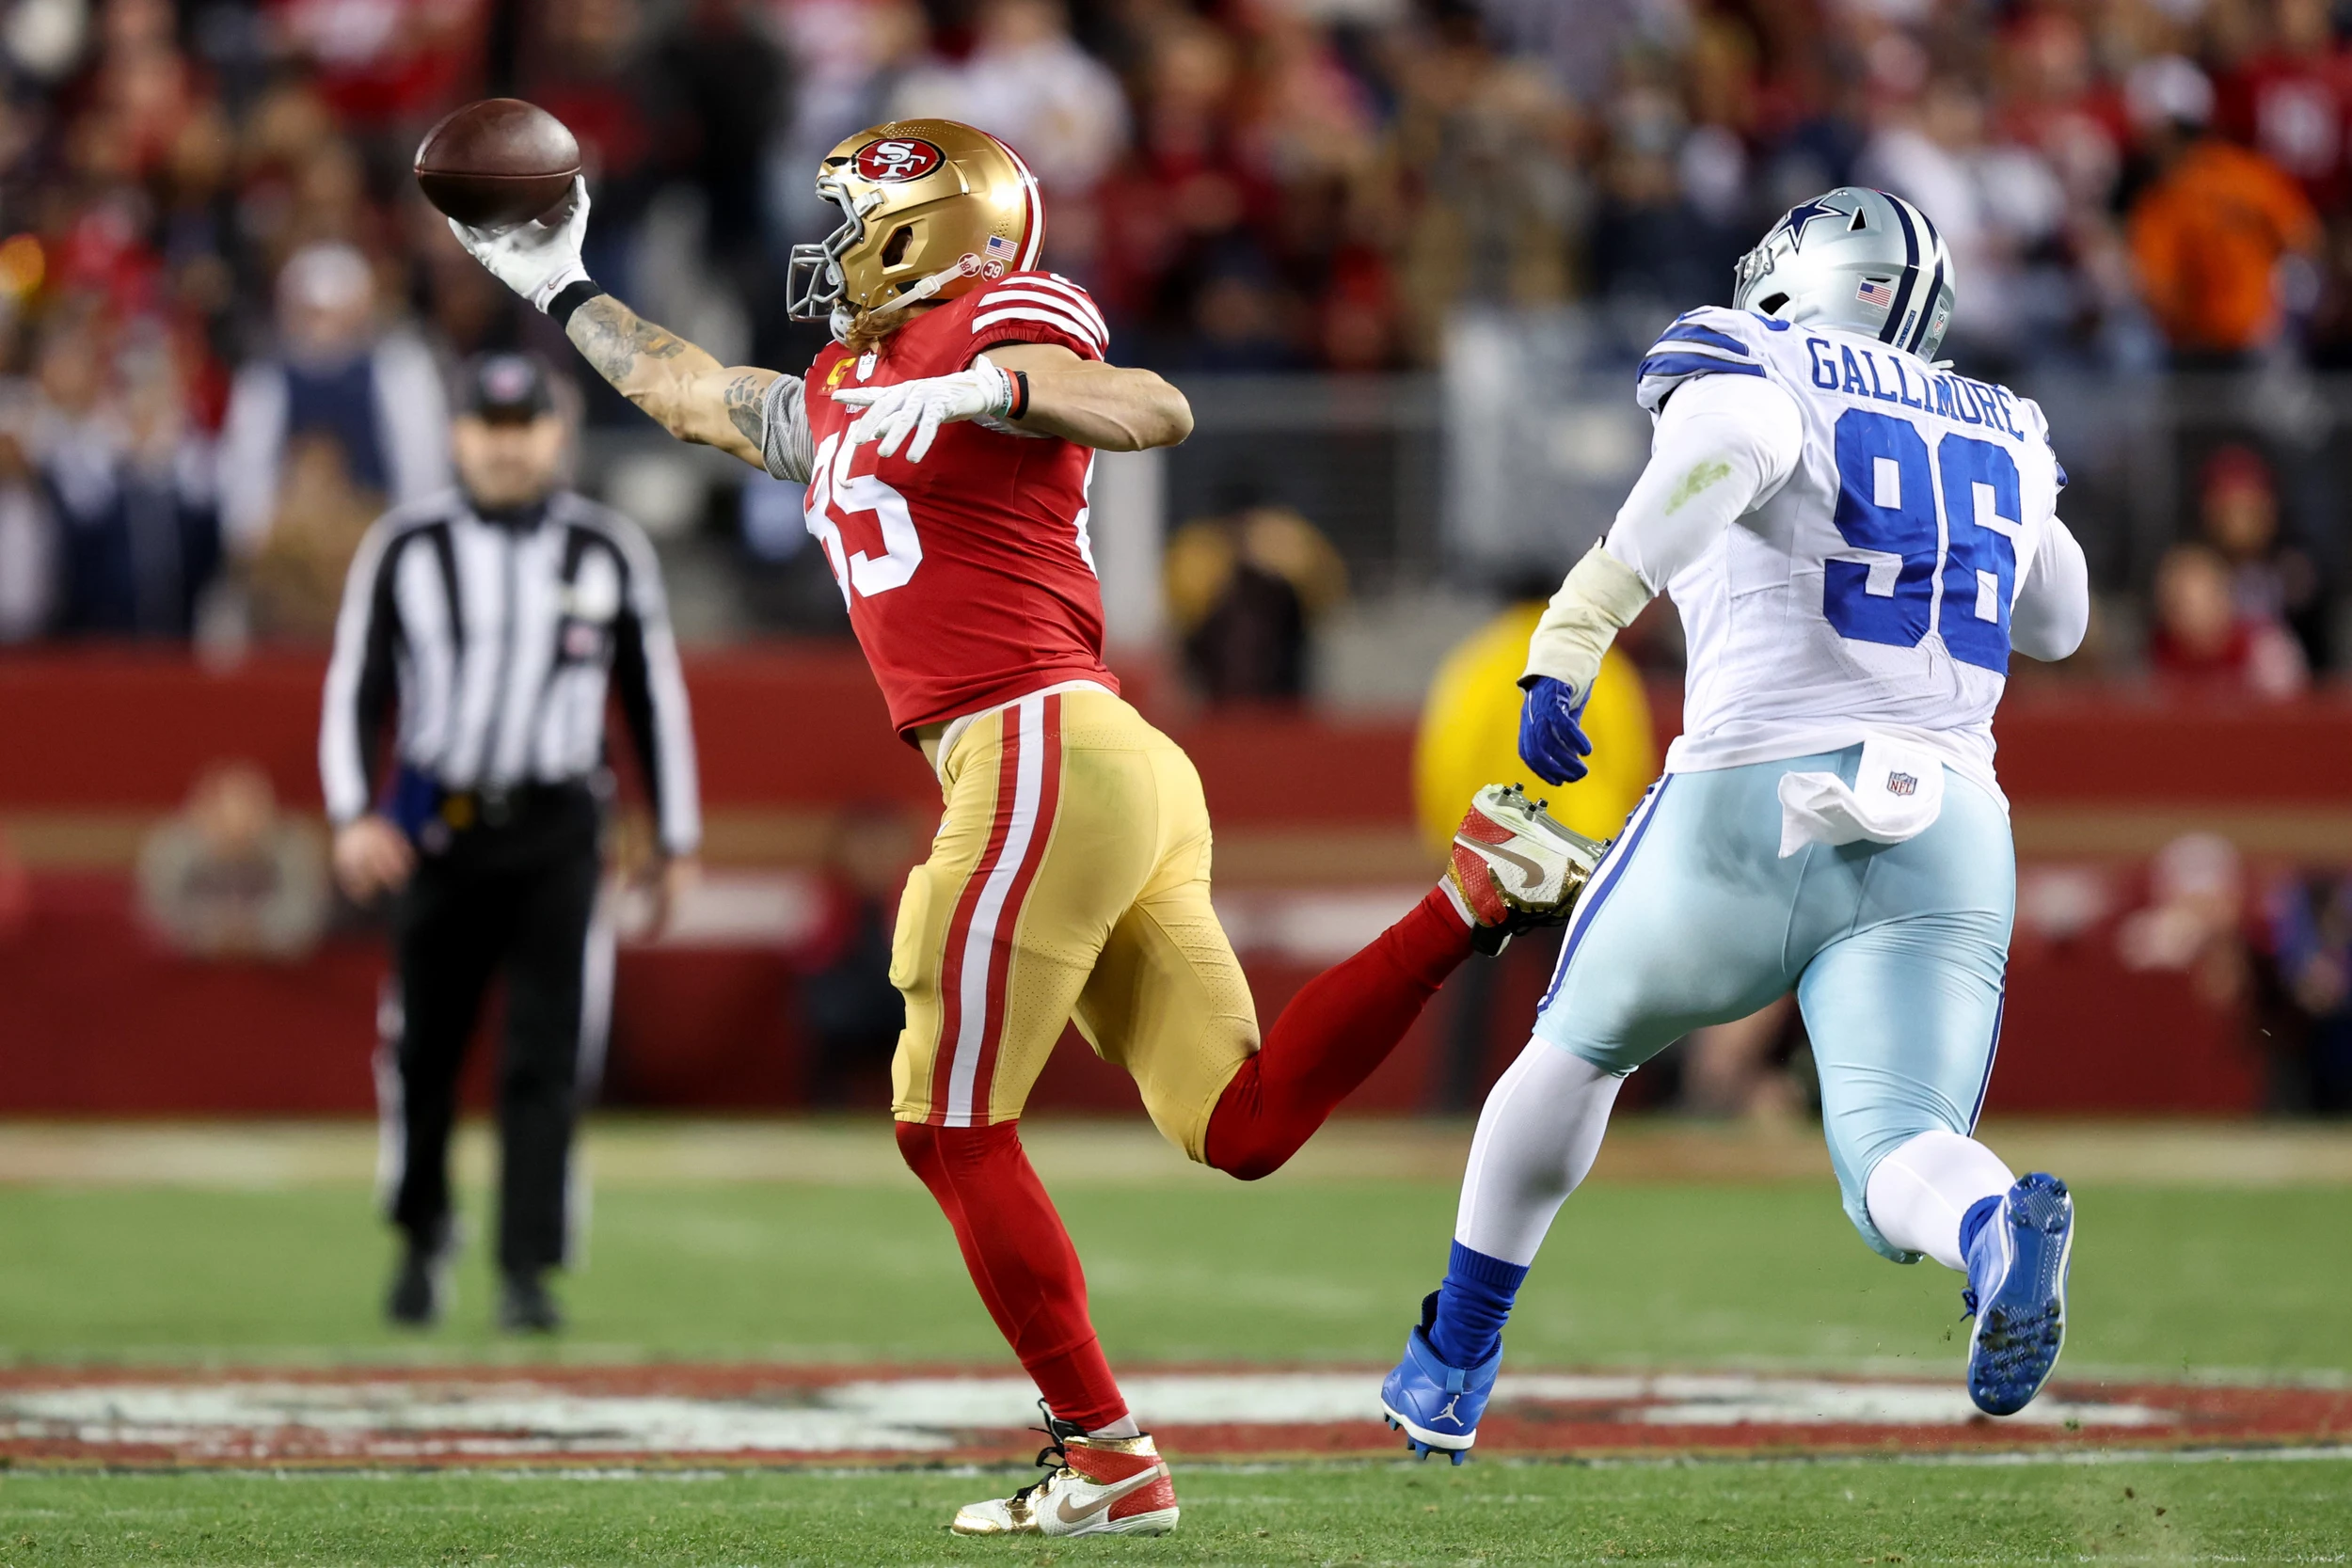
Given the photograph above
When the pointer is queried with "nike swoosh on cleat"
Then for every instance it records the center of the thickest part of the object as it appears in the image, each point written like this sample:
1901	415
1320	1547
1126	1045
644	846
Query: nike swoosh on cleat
1112	1495
1528	868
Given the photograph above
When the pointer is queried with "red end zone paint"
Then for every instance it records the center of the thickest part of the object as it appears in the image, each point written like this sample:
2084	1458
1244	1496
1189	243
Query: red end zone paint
782	1415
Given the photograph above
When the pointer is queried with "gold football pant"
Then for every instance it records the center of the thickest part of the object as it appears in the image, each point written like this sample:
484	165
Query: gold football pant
1070	880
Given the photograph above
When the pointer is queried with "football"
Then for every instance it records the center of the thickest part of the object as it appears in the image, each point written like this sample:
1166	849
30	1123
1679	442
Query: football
495	162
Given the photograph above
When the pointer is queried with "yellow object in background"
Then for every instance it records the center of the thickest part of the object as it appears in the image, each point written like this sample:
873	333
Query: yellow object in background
1469	734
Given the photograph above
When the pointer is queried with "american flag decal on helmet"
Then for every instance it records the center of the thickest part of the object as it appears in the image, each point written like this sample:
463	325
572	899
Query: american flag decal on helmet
1000	247
1876	291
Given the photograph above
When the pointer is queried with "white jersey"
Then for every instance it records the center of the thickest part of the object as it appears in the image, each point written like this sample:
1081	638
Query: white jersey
1869	593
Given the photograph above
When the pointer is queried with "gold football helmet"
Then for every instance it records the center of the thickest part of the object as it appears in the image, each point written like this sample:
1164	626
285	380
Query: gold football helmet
929	210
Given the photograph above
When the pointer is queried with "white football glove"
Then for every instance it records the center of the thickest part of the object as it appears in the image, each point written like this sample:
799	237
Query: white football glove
540	259
922	407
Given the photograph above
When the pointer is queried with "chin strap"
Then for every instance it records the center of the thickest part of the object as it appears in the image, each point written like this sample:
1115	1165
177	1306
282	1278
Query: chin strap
965	266
844	318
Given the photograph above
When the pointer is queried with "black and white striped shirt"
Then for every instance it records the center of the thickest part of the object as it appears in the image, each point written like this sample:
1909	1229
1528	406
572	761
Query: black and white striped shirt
498	638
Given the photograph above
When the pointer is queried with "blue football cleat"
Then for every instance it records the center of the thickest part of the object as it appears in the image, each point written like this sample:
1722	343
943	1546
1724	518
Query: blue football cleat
1436	1406
2017	1291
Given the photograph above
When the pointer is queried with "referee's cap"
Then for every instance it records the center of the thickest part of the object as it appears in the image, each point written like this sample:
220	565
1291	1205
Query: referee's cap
507	389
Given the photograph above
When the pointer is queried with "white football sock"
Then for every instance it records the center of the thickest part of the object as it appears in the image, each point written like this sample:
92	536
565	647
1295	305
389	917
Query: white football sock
1536	1138
1919	1192
1123	1427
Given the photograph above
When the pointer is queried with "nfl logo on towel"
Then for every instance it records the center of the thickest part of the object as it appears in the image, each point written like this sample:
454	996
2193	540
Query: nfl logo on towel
1901	784
1876	291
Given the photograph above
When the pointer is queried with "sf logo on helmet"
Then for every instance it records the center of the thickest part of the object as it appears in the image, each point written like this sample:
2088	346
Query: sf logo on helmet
899	158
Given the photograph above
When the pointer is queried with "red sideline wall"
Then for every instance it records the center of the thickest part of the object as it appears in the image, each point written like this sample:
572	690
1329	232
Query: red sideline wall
95	1016
805	726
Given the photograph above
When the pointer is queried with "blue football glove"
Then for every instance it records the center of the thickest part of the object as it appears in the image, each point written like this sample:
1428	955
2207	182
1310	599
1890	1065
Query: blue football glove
1551	733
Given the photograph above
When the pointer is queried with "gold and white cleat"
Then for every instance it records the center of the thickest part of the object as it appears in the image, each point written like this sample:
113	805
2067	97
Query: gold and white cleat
1096	1486
1512	868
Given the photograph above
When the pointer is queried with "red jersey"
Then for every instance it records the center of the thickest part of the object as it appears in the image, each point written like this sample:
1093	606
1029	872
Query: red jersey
968	576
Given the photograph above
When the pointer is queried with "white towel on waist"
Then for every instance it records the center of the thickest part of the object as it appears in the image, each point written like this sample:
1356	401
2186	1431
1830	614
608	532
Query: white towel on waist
1897	794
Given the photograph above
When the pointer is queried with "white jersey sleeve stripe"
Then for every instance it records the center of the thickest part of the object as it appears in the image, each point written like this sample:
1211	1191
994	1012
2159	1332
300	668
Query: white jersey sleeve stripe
1078	296
1055	319
1094	329
1050	303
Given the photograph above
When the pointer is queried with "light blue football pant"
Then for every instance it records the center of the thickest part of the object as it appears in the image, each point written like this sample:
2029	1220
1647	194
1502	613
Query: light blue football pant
1896	951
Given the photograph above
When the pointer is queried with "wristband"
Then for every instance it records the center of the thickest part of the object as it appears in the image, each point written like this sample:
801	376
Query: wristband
571	297
1020	404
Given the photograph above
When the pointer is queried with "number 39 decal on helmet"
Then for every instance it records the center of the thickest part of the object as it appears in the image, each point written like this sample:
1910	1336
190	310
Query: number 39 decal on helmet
899	159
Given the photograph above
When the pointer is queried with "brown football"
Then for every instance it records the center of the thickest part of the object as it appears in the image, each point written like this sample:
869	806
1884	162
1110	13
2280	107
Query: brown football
497	162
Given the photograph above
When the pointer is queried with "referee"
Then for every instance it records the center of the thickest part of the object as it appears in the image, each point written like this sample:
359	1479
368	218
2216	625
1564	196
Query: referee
493	617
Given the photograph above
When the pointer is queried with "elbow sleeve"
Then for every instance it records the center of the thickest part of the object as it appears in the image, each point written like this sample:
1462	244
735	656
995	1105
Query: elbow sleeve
785	445
2052	614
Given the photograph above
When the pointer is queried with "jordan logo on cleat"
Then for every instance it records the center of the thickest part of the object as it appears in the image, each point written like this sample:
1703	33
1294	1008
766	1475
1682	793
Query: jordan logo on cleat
1447	1414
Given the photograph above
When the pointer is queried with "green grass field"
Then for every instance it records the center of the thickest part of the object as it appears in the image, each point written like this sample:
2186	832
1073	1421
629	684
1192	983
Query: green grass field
839	1258
1834	1512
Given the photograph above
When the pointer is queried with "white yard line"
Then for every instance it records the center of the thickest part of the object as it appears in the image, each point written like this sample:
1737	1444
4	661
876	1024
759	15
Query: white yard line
515	1416
837	1151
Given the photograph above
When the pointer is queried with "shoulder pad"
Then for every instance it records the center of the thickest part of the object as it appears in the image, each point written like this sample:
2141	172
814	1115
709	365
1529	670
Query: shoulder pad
1710	341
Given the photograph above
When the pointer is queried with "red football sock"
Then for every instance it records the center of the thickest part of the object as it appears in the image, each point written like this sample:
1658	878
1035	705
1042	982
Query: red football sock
1341	1026
1021	1259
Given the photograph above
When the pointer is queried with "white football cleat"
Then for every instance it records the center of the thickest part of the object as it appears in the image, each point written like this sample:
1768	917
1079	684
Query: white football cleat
1096	1486
1512	868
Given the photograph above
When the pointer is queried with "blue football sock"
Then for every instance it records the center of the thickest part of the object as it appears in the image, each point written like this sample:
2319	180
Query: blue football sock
1979	1214
1471	1305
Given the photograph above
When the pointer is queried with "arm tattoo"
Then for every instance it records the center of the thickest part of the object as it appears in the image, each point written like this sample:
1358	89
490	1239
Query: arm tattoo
614	338
747	406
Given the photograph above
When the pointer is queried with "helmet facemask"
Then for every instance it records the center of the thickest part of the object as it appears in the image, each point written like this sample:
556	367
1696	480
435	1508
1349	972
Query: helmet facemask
814	283
1753	268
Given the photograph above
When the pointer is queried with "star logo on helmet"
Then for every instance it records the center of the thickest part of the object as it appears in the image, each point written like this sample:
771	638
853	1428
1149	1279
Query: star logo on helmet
1802	213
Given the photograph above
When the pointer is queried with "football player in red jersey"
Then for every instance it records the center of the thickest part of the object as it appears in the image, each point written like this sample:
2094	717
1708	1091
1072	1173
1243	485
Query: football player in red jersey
946	439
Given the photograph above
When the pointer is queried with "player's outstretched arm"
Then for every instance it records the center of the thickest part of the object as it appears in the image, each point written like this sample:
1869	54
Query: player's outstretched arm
681	387
1109	407
1041	388
737	408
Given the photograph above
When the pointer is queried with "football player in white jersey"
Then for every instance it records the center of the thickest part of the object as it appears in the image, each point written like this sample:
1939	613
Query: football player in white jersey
1856	538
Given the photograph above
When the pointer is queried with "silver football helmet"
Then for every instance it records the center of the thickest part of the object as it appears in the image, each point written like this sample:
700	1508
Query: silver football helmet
1858	258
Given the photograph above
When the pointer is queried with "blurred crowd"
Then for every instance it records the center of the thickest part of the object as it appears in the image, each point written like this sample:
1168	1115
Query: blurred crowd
2266	948
224	309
